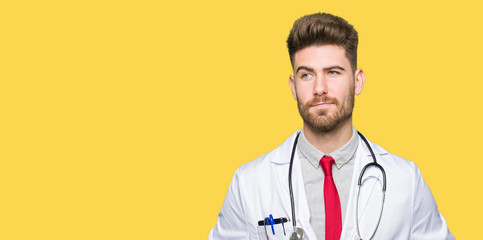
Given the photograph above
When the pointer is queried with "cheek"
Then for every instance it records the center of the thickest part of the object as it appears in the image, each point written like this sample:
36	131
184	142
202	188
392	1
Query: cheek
342	91
304	94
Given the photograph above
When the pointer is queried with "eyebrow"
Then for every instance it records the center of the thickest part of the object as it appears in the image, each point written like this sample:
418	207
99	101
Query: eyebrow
325	69
304	68
334	67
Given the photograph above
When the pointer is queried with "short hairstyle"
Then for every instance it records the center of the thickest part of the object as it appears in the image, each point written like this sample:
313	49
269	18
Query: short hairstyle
323	29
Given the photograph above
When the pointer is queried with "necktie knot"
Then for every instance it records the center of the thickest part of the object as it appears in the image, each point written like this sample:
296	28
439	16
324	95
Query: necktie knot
326	164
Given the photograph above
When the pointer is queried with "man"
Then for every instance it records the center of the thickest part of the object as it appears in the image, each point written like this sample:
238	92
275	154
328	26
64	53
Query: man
311	181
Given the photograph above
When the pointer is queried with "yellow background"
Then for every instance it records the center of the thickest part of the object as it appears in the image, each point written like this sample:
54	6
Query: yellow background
127	119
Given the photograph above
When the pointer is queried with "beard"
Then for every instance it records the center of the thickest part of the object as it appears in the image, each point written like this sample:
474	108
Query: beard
322	120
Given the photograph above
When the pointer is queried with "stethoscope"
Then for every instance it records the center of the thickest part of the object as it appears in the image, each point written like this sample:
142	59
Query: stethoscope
298	233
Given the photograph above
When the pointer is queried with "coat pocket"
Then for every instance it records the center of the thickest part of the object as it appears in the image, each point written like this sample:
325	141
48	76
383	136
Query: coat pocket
281	232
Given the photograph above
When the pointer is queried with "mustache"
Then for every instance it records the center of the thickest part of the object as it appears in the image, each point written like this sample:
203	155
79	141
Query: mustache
324	99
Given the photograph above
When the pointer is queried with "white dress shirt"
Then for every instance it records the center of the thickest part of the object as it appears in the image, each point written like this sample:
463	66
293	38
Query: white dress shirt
314	178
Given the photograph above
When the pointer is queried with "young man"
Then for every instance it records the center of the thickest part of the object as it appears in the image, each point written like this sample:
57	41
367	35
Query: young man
310	182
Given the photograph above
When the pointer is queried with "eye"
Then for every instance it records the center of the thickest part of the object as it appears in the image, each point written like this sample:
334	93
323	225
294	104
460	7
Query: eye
332	72
306	76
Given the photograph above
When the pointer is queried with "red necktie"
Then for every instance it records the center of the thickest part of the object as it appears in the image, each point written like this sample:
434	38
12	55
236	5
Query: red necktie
333	219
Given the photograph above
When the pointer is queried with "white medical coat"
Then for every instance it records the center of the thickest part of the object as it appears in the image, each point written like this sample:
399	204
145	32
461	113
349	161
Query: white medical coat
260	188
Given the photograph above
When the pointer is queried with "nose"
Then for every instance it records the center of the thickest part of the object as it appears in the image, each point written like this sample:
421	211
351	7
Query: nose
320	85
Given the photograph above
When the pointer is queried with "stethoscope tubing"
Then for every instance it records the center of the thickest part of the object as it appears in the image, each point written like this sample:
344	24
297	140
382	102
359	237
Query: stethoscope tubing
294	223
373	163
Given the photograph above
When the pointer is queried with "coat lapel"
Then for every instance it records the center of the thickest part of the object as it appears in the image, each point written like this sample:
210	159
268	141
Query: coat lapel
281	159
370	193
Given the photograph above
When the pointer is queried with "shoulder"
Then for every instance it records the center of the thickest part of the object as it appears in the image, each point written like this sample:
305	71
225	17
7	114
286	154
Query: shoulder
265	163
392	160
255	167
398	169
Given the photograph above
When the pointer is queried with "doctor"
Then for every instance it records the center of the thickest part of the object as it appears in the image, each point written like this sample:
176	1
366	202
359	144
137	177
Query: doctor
311	182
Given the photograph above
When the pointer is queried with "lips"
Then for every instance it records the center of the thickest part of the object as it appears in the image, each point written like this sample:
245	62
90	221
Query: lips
321	104
321	100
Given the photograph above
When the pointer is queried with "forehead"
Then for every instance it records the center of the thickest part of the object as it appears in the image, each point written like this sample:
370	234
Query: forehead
321	57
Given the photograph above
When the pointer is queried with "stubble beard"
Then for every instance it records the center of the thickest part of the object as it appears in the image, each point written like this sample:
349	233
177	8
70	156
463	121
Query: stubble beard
321	120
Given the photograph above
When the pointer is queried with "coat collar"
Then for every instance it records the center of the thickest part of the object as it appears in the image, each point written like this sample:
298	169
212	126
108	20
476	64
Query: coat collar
283	152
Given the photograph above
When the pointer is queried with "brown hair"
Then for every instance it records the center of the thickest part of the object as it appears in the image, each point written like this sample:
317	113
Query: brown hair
322	29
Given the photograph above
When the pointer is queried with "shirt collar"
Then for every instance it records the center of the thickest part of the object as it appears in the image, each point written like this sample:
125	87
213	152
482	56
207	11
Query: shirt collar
341	156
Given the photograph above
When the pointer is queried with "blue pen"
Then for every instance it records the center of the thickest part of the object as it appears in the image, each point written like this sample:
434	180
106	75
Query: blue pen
271	223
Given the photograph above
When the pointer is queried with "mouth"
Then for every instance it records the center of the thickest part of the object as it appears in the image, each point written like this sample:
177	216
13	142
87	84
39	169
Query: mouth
322	104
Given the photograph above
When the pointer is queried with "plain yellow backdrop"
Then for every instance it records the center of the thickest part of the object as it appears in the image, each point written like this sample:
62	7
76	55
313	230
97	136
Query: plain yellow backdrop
127	119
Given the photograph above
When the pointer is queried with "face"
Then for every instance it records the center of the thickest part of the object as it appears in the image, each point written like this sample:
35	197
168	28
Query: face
324	86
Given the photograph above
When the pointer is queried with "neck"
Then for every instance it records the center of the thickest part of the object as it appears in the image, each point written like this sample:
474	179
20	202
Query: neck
328	142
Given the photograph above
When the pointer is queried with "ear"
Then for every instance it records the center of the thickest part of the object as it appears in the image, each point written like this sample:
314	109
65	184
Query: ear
359	79
291	82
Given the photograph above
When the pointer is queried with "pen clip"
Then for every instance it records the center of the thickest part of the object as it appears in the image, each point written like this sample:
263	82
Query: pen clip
271	223
283	227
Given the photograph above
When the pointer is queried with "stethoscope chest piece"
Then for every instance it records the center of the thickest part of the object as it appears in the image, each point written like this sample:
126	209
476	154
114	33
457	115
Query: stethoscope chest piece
297	234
